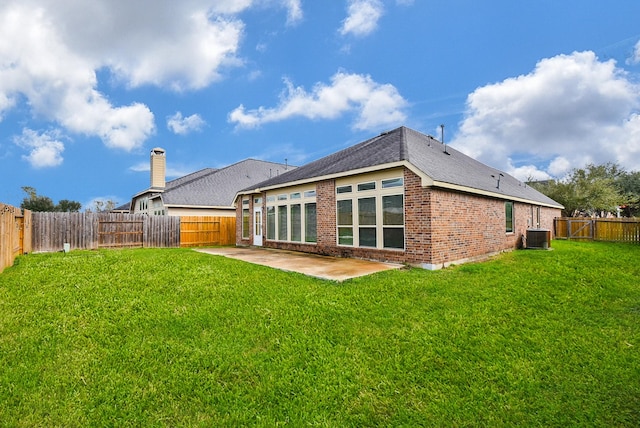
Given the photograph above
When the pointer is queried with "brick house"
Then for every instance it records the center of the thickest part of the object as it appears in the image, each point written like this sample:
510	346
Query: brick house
402	197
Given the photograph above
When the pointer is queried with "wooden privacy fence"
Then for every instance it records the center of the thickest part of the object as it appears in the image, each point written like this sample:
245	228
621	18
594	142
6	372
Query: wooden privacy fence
598	229
110	230
15	234
199	231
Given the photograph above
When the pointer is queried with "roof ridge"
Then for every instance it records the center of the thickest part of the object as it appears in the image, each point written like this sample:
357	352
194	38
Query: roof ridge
215	171
191	180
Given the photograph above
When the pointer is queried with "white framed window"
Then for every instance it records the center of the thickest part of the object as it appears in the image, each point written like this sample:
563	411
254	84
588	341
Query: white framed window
373	217
345	221
246	218
271	222
371	185
509	217
291	217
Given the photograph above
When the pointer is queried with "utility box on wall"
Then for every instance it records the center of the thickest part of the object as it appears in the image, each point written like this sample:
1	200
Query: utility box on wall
539	239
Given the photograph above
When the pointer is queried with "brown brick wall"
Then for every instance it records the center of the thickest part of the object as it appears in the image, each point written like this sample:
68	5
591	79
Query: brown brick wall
326	215
239	239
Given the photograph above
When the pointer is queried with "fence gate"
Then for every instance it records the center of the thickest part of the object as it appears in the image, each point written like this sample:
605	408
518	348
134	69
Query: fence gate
580	228
120	232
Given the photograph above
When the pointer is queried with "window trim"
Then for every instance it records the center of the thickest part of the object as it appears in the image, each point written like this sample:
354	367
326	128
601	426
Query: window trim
378	195
288	198
509	221
246	218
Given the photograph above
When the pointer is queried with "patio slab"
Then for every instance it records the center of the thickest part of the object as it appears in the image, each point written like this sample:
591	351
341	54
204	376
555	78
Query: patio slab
325	267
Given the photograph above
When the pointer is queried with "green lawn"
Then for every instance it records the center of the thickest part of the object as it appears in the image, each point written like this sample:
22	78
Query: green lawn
180	338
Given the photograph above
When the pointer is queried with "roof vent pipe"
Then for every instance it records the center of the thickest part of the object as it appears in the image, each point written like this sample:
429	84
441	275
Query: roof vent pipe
442	138
499	177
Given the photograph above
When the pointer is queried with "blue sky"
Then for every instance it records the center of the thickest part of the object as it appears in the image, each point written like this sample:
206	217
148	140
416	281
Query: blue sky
88	88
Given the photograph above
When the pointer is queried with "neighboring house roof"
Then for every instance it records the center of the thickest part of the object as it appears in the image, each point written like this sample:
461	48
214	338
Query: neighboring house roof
218	187
438	165
124	207
190	177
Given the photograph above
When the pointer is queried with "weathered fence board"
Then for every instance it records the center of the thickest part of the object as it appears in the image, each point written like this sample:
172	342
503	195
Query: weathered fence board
598	229
200	231
91	231
15	234
162	231
115	230
52	230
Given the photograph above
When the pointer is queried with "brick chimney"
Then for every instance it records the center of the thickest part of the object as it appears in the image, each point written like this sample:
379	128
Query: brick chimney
158	168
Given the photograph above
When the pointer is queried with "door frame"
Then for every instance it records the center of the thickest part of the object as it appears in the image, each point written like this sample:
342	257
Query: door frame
258	226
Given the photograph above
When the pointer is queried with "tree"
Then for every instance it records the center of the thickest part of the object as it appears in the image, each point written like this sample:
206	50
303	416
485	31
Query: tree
591	191
35	202
629	186
100	205
68	206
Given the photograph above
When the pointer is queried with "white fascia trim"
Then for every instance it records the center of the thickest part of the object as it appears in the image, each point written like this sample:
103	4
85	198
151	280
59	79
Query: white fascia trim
492	194
328	177
150	191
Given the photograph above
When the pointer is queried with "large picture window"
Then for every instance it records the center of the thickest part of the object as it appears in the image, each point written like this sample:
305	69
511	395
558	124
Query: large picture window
271	222
310	223
393	221
291	216
296	223
345	222
375	212
282	222
367	222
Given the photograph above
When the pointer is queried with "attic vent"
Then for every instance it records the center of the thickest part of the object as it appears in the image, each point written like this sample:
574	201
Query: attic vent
539	239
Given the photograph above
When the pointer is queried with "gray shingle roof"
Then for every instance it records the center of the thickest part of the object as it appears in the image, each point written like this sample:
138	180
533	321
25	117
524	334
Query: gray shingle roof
426	154
218	187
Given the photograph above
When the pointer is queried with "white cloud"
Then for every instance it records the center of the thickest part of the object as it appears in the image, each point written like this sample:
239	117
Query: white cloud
559	166
569	111
294	11
375	104
635	57
45	149
185	57
50	51
184	125
58	84
170	172
362	17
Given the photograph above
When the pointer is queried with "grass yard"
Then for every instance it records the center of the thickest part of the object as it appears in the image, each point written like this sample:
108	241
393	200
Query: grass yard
180	338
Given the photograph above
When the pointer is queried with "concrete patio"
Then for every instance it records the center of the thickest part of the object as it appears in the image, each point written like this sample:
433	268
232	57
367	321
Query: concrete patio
331	268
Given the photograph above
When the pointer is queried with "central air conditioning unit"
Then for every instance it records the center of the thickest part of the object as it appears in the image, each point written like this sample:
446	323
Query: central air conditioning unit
539	239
